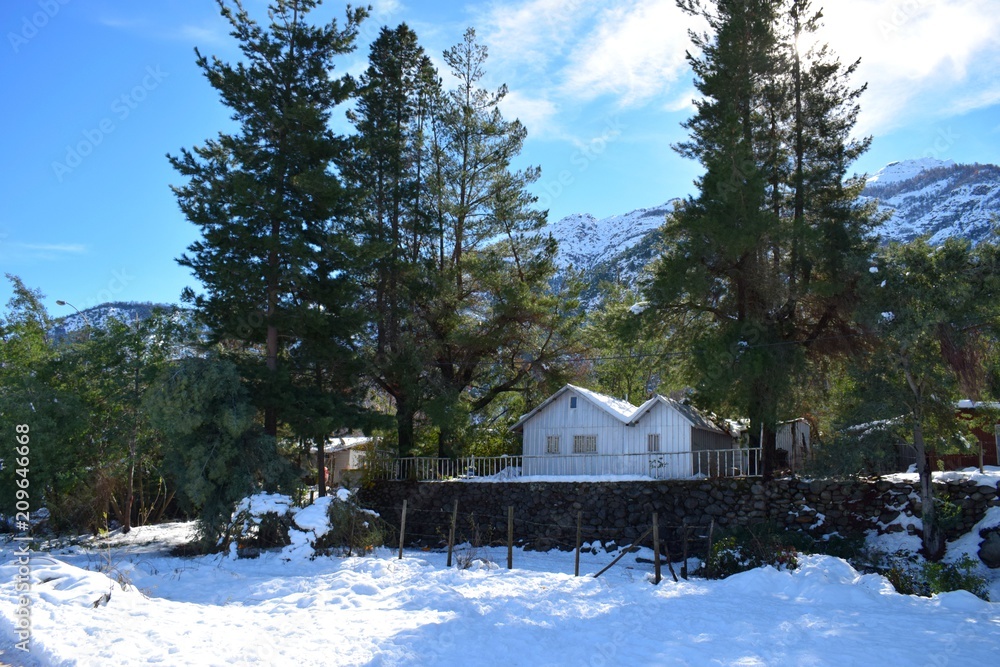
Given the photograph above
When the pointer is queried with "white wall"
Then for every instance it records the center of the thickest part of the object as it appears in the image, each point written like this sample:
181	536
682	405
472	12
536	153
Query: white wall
557	418
613	437
675	438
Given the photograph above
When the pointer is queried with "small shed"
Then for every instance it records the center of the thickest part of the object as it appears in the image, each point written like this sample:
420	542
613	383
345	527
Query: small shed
344	456
793	442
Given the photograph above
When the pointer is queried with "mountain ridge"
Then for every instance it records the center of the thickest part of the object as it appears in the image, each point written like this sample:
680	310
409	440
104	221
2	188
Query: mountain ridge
923	196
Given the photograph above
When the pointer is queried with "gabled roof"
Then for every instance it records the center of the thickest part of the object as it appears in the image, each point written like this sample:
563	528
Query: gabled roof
690	413
624	411
617	408
342	443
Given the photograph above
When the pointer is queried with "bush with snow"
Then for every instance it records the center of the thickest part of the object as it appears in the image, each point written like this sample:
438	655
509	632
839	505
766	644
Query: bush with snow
330	525
353	530
261	521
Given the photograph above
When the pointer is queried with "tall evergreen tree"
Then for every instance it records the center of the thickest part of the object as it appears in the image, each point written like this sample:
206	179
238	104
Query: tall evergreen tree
774	246
277	258
398	96
490	314
457	279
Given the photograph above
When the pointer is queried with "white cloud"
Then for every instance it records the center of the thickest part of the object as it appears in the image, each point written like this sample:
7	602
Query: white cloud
39	251
922	59
71	248
560	55
536	113
636	53
201	34
534	33
683	102
122	23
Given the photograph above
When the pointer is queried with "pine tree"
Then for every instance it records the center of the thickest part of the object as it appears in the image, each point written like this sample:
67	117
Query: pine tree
492	319
458	272
398	97
934	314
277	261
774	246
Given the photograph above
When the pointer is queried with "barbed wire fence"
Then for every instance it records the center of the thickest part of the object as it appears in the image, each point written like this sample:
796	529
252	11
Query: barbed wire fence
446	529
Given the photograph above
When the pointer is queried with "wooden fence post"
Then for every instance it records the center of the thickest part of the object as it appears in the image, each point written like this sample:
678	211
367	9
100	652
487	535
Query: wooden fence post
510	537
656	549
708	556
579	535
402	530
451	532
684	565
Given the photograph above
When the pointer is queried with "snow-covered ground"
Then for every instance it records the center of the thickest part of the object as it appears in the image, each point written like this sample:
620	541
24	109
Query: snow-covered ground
378	610
123	600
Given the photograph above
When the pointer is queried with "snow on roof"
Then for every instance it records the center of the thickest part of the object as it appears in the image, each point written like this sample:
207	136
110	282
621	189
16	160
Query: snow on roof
624	411
689	412
617	408
339	444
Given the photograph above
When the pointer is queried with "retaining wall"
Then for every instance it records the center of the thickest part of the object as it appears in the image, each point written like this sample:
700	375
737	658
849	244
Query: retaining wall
546	512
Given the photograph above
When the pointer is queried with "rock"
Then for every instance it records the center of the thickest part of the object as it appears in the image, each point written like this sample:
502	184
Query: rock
989	550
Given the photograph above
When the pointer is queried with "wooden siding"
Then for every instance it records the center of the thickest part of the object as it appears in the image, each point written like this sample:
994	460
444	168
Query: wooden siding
704	441
559	419
793	438
613	437
675	438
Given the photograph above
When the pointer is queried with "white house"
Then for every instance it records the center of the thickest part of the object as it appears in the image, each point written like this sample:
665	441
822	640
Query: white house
345	456
580	432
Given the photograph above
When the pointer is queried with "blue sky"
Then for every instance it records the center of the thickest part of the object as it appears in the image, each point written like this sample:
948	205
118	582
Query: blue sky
98	91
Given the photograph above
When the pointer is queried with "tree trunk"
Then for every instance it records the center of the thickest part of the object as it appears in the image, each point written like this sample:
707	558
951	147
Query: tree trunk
768	449
405	414
130	492
933	538
753	438
321	465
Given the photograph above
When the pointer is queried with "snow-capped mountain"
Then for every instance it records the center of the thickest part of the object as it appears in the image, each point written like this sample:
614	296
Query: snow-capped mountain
897	172
937	198
585	241
99	316
923	196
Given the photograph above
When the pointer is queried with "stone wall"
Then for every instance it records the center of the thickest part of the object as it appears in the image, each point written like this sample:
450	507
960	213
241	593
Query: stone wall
546	512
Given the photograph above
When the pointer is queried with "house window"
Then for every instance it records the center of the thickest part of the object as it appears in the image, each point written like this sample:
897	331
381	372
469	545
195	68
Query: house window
552	444
653	442
572	402
584	444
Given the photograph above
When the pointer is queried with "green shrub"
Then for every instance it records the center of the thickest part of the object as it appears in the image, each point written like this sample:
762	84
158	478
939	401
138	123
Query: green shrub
354	530
752	547
910	575
254	531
